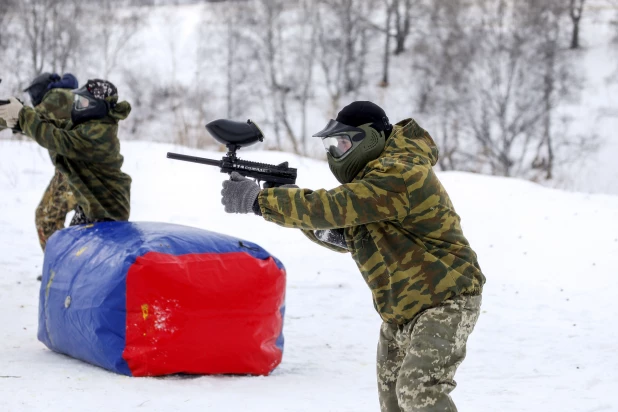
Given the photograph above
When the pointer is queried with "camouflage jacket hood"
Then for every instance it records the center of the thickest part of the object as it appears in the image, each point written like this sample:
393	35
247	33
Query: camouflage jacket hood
417	144
399	224
120	111
88	154
408	142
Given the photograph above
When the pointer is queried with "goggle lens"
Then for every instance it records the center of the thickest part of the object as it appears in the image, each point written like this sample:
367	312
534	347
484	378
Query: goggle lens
337	145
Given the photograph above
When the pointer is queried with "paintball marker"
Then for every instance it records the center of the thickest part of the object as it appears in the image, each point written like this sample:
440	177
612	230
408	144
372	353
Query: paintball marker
235	135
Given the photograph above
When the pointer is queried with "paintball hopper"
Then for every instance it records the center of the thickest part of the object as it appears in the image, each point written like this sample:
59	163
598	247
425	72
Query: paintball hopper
235	134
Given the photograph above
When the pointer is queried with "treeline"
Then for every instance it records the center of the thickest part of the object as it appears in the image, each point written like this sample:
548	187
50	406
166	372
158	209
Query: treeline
486	77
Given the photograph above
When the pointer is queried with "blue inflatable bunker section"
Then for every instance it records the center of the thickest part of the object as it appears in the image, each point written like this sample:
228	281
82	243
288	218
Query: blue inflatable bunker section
148	299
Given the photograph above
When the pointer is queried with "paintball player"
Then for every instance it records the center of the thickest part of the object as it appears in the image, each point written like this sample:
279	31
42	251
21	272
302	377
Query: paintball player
392	214
85	149
51	97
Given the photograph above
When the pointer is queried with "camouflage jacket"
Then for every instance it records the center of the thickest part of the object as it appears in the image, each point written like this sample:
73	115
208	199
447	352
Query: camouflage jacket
399	224
89	156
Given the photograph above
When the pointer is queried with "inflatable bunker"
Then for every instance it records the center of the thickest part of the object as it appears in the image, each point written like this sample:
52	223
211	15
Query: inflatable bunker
149	299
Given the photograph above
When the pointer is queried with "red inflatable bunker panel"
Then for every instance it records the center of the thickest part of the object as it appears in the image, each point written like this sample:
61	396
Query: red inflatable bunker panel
203	314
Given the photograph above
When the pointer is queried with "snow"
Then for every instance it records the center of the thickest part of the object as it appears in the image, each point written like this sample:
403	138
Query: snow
546	339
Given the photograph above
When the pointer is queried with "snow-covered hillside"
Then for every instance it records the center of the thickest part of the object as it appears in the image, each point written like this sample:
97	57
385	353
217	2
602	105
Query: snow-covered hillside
546	340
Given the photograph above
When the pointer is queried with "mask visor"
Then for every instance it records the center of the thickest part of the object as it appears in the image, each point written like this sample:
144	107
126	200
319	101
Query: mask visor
337	145
338	138
82	102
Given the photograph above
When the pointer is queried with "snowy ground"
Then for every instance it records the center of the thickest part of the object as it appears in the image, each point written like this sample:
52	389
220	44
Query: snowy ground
546	340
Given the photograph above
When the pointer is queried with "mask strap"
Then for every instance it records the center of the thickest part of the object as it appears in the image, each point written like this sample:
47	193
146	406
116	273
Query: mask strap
109	105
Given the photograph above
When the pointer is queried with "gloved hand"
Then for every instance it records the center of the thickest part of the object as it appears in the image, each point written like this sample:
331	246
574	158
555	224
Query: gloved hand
239	194
10	112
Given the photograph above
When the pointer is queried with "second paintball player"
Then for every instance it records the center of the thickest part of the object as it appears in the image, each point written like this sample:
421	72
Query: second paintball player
85	149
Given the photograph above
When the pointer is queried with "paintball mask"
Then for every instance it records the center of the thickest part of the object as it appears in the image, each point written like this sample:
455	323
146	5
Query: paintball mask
357	137
92	101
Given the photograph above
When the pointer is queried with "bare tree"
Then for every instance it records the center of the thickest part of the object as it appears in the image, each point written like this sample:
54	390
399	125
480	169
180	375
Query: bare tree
403	17
285	45
343	45
443	52
391	6
237	47
557	146
507	107
9	9
278	89
306	58
444	48
139	89
233	39
51	32
34	15
576	8
113	36
66	34
186	102
518	79
548	51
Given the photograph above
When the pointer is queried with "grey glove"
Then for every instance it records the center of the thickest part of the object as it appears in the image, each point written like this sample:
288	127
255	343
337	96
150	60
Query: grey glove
239	194
10	112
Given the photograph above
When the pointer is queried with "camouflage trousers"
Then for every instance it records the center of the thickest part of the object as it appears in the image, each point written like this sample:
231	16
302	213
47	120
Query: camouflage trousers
417	361
57	201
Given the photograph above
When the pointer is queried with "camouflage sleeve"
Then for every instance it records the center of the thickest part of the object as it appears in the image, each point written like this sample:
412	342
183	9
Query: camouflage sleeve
50	134
310	234
380	195
56	104
60	123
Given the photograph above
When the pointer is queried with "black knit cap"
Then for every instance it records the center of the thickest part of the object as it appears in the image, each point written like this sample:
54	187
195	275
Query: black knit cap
362	112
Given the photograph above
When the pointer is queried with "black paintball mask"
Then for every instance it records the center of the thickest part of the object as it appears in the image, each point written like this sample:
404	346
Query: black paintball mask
38	88
91	101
